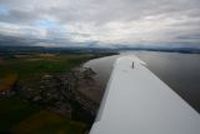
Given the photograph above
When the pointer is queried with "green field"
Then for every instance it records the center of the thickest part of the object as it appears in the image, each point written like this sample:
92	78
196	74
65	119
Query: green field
30	68
19	116
13	110
40	64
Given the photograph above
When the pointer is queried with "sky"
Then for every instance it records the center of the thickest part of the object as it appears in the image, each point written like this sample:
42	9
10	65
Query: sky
100	23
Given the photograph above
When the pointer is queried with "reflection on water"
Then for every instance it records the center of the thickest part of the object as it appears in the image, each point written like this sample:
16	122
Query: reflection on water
180	71
103	68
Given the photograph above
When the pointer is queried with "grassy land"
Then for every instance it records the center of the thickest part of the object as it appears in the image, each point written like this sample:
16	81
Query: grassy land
46	122
19	116
22	117
13	110
40	64
30	68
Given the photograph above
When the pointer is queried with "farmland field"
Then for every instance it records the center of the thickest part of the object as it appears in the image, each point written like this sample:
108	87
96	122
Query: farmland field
20	115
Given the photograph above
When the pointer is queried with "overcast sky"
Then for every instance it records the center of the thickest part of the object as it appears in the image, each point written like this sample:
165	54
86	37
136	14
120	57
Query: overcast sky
101	22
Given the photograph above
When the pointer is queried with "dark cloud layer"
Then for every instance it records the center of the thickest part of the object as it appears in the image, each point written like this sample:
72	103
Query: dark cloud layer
104	21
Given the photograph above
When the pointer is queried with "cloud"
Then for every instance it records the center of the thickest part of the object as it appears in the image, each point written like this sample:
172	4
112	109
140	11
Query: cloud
105	21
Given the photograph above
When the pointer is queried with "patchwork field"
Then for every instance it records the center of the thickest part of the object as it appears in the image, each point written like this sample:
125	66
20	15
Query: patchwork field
19	115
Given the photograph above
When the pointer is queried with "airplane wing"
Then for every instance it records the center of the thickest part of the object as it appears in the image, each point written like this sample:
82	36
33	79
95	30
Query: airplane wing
137	102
